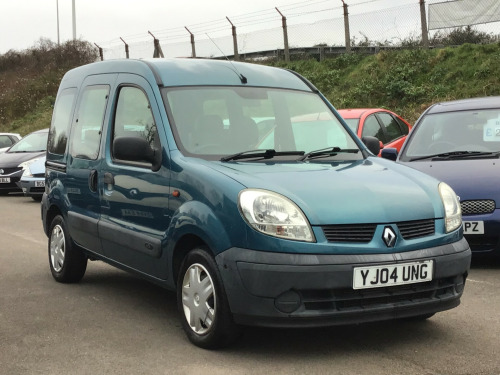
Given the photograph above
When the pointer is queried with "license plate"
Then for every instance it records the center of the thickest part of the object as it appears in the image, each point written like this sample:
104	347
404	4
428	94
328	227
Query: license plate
39	183
4	180
393	274
473	227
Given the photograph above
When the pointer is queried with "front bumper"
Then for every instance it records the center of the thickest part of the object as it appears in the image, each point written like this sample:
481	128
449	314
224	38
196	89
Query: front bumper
32	187
299	290
489	242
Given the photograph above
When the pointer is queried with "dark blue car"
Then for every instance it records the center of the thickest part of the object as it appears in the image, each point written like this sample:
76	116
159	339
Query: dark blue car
458	142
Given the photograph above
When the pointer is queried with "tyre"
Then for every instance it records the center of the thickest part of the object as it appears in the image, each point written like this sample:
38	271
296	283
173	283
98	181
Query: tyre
67	261
202	302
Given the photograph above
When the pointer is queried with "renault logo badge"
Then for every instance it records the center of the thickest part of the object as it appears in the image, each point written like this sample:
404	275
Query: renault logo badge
1	171
389	237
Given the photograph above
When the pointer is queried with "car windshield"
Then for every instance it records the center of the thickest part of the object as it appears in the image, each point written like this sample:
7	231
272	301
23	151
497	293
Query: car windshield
213	122
475	132
31	143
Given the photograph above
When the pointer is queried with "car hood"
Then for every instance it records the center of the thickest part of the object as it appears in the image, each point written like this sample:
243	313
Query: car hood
13	159
366	191
463	176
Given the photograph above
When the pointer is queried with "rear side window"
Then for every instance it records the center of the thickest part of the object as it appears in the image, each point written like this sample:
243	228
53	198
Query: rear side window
391	126
61	119
134	118
5	141
86	133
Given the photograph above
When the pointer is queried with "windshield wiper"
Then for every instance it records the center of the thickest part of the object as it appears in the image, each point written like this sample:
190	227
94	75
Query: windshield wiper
330	151
264	154
457	155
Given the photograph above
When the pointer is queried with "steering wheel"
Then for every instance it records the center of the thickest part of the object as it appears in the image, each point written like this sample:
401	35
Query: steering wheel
441	146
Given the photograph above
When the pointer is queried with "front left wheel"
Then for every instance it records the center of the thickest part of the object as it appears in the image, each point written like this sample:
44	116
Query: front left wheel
67	261
202	302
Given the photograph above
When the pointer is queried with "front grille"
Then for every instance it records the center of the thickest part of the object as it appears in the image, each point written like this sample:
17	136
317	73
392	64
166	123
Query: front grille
8	171
478	207
37	190
349	299
349	233
415	229
363	233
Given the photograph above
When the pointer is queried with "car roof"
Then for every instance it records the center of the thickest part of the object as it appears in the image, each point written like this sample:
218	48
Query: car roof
465	104
175	72
357	112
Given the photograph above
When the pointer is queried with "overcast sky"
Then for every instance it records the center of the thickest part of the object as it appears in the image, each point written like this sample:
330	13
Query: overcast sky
24	22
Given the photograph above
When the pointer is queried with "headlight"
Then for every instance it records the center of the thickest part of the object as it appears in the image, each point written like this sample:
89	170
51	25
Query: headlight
26	167
452	210
275	215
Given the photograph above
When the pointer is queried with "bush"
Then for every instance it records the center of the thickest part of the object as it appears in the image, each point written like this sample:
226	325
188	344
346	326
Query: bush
29	76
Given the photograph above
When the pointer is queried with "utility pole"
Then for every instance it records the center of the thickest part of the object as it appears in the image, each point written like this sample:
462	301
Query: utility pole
346	29
57	6
235	41
193	48
423	20
285	35
74	21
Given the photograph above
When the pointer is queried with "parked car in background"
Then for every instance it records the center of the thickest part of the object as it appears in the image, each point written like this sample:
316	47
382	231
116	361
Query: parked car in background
32	182
12	161
459	142
7	140
389	128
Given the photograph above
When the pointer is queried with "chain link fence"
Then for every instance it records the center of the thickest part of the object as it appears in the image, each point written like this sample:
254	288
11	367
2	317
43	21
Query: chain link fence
313	29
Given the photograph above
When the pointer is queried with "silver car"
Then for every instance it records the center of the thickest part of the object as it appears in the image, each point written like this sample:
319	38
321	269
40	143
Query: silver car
32	181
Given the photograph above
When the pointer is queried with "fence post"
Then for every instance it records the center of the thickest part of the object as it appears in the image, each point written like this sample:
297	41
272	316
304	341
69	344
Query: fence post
193	49
100	52
285	36
126	48
157	52
235	41
423	19
346	29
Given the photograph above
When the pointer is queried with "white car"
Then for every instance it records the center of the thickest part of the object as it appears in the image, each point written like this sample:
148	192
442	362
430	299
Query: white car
7	140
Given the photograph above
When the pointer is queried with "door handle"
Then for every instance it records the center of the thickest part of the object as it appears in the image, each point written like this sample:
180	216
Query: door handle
109	179
93	180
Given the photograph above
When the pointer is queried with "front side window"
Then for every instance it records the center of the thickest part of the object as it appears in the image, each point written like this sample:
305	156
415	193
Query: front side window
134	118
372	128
392	129
86	133
215	121
5	141
61	119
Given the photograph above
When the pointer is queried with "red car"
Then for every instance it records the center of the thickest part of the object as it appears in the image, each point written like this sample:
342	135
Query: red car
385	125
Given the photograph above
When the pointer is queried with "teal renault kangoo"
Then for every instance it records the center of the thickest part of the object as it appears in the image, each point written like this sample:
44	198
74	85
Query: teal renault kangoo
239	187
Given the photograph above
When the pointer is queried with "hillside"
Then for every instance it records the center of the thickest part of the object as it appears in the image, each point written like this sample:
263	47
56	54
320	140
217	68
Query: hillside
405	81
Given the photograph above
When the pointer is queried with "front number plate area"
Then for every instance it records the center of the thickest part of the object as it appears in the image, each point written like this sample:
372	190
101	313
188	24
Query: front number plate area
392	274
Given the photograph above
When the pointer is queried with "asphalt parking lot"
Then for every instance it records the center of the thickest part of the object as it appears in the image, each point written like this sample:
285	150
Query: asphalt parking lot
114	323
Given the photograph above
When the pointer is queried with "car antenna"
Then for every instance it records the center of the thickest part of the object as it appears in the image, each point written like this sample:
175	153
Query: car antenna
242	78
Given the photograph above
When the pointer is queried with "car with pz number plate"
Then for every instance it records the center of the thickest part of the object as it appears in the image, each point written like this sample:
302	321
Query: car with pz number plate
458	142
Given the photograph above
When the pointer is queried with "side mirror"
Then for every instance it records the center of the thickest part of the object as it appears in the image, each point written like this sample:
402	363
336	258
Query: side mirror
135	149
390	153
372	143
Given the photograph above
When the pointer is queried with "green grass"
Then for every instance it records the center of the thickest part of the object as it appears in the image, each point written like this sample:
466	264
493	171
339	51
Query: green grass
404	81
